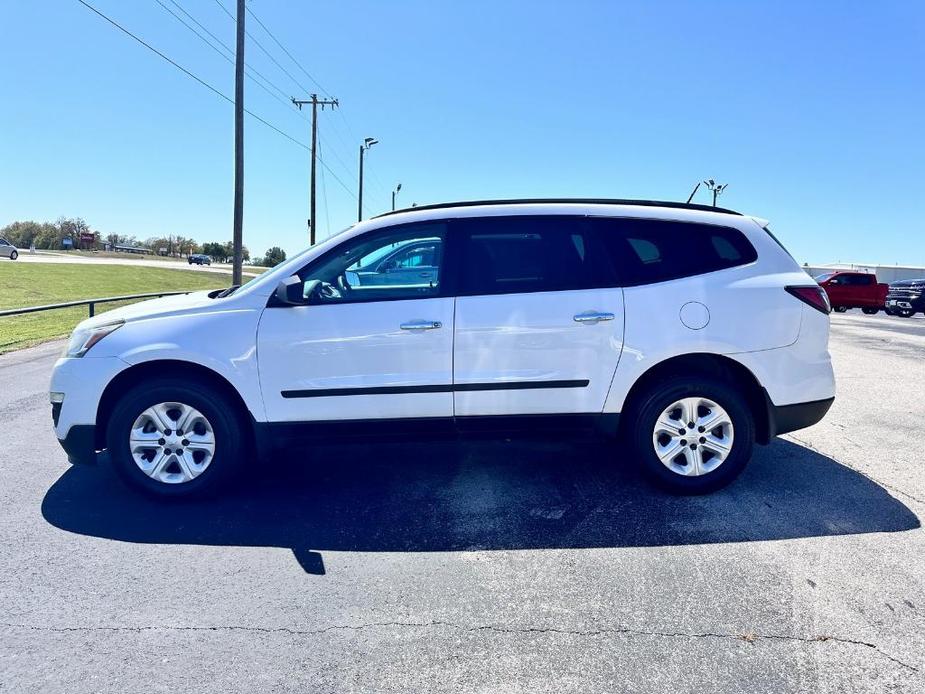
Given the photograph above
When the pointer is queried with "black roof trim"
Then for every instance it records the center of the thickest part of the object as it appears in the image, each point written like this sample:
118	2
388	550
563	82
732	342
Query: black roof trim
580	201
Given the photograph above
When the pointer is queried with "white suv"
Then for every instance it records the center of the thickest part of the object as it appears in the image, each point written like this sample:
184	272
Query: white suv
689	328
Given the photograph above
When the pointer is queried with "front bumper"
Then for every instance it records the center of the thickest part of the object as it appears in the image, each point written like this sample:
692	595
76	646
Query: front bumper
82	381
907	303
80	444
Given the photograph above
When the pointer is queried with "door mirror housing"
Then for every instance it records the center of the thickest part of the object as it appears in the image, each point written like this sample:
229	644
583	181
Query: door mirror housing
289	291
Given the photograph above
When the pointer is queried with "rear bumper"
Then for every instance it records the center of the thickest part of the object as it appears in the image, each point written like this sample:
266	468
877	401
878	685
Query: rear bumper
80	444
785	418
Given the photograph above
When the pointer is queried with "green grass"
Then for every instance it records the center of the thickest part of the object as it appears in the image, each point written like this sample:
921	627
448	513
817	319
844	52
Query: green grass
34	284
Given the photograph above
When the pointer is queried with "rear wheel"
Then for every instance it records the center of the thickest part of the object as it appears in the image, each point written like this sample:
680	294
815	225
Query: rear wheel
871	311
175	439
840	309
692	437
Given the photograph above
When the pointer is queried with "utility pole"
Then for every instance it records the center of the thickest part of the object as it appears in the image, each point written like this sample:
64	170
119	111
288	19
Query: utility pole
237	240
394	193
315	102
367	143
716	188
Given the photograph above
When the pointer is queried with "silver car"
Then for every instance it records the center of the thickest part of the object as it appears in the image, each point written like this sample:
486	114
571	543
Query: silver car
8	250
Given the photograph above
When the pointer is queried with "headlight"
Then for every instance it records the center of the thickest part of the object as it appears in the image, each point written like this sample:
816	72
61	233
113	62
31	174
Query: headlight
83	339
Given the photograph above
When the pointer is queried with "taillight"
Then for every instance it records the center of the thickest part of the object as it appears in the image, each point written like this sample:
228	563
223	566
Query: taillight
815	296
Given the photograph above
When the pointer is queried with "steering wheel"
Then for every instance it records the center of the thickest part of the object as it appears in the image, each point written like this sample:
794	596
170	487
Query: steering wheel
329	291
343	285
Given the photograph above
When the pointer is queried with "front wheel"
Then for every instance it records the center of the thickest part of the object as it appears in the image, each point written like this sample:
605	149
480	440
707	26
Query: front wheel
905	313
14	255
692	437
175	439
840	309
871	311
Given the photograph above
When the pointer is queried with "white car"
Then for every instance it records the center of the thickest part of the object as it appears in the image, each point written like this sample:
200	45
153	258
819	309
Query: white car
8	250
689	328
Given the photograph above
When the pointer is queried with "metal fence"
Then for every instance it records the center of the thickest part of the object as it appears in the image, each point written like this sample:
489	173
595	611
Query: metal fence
91	303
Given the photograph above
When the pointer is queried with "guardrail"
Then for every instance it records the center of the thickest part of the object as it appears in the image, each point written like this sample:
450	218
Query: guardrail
91	303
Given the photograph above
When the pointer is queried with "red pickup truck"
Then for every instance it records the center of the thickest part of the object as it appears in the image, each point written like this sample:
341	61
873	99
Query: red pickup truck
854	290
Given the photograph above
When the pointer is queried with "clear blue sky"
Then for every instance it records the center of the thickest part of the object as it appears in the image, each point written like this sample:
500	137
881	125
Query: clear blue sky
812	112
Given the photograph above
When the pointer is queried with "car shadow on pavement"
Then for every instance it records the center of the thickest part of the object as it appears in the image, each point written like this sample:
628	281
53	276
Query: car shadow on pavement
450	495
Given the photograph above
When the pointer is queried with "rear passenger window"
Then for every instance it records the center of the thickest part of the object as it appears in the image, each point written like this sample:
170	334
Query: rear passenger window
647	250
505	255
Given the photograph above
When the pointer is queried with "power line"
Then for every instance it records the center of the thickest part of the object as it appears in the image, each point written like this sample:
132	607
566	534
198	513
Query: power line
222	55
335	129
154	50
268	54
213	89
197	23
324	196
227	48
297	63
190	74
336	177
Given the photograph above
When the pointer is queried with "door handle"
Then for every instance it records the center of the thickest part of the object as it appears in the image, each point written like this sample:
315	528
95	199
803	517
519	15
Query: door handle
421	325
592	317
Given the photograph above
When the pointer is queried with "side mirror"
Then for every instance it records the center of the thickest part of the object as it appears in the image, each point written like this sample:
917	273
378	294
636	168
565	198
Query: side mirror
289	291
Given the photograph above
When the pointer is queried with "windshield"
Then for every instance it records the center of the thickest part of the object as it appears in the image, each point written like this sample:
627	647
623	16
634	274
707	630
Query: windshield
824	277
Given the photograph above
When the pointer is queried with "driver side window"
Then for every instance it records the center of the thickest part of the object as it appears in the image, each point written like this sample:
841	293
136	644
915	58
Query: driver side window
400	263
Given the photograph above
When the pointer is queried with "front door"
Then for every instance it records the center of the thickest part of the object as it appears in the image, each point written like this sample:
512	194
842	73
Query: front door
360	350
839	291
539	324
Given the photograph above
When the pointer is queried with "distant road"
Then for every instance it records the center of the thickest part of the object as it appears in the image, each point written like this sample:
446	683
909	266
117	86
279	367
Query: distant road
40	257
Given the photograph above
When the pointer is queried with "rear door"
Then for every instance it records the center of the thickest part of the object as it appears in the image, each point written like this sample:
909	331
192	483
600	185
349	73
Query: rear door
539	322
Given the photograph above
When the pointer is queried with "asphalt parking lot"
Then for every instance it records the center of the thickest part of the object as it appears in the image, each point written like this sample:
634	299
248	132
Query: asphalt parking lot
514	566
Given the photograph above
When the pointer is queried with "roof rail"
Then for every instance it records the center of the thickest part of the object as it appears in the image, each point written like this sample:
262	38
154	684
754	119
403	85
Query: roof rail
580	201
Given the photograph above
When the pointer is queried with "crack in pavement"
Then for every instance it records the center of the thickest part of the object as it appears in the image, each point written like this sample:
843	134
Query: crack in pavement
749	637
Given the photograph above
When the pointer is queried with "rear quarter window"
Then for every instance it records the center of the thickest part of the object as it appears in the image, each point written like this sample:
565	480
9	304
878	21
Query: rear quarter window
645	251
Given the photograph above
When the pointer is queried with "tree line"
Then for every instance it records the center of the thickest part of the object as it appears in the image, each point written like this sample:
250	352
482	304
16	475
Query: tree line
51	236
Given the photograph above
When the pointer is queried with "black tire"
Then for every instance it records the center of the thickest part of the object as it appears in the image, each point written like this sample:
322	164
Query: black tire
649	407
871	311
905	313
14	255
230	444
840	309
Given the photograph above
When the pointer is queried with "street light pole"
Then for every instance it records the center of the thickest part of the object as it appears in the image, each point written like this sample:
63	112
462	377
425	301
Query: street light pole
394	193
367	143
716	188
